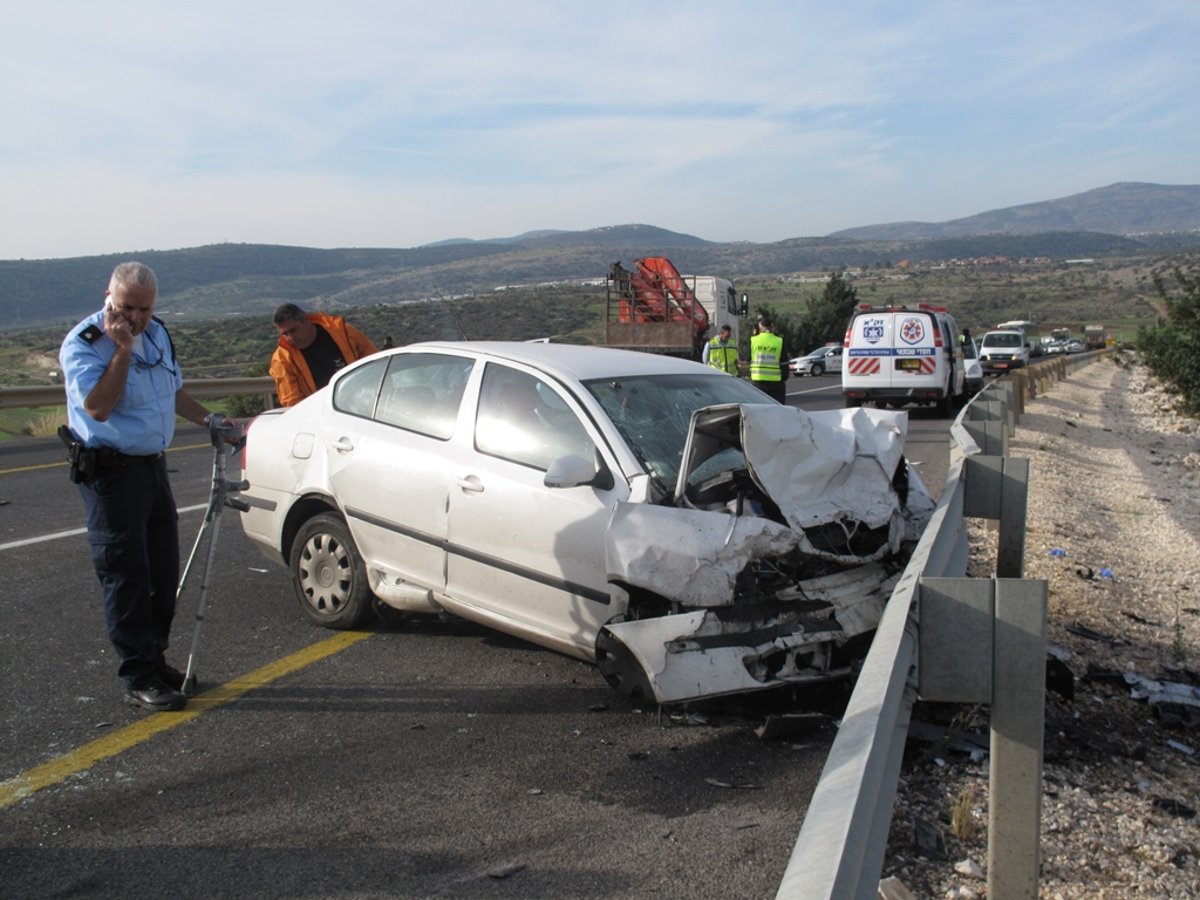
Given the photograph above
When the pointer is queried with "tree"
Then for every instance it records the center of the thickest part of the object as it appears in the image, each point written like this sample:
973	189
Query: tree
827	315
1172	347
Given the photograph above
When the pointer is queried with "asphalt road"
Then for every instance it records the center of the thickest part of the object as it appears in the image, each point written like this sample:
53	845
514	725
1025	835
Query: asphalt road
425	759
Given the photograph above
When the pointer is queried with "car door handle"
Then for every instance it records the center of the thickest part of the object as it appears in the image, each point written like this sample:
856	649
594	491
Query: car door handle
343	445
471	483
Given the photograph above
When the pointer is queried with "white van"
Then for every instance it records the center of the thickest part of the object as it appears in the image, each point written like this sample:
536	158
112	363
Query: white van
1001	351
896	355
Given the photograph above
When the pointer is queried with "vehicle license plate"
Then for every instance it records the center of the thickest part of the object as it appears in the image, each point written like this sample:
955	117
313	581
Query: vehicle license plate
908	363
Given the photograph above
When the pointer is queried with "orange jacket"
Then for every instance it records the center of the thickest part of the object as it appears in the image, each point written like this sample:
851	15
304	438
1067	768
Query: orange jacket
293	379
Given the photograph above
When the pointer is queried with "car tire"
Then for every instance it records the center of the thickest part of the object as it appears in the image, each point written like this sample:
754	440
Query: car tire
329	575
817	369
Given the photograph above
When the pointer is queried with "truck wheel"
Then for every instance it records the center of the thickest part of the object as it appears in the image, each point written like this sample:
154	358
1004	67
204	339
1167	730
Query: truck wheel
329	575
818	369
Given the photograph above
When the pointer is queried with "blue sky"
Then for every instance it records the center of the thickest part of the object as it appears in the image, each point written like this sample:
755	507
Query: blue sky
148	125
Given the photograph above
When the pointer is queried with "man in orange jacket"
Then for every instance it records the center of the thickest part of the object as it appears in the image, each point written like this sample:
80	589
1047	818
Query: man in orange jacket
312	346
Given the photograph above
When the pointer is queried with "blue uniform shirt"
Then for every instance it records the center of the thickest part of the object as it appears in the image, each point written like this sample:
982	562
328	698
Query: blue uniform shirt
143	421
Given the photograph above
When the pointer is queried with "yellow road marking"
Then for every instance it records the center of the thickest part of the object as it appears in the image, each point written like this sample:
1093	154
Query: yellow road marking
79	760
63	462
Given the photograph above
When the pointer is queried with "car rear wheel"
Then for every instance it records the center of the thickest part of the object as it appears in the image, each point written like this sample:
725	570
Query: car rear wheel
329	575
817	369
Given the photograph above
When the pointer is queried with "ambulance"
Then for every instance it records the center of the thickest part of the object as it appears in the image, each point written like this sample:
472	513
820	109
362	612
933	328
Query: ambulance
900	355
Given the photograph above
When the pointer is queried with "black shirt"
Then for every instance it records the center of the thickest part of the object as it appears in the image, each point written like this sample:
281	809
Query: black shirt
323	357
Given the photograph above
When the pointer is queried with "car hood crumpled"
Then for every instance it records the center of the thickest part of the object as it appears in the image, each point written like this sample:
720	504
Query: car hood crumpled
825	472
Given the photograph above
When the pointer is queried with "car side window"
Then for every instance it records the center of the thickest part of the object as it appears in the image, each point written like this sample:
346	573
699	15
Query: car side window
357	391
422	392
523	419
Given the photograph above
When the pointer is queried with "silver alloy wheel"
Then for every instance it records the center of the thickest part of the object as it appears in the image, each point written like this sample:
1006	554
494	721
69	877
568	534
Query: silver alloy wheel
325	575
328	574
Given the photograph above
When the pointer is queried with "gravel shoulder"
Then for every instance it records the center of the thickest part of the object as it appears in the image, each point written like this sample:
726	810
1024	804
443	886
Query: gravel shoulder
1113	526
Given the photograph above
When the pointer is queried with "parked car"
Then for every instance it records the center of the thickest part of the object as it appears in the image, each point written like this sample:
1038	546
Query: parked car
652	514
818	362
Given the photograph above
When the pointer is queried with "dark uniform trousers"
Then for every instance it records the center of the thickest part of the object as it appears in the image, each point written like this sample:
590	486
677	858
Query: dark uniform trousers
774	389
133	529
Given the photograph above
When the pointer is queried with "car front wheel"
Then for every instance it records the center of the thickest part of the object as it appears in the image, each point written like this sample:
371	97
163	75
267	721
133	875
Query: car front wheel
818	369
329	575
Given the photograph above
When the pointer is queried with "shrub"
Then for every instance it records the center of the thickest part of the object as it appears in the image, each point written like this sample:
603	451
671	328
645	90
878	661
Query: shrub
1171	348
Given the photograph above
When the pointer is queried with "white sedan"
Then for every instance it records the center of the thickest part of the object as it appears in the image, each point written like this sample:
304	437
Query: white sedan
651	514
818	362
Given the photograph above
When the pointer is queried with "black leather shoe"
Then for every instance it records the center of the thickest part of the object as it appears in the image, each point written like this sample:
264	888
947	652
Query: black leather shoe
155	696
171	677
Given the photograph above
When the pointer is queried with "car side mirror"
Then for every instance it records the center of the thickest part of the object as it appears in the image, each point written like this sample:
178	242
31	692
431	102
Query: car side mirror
745	310
575	471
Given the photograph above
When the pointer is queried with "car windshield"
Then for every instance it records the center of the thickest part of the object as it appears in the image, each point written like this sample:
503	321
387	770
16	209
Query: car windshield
653	413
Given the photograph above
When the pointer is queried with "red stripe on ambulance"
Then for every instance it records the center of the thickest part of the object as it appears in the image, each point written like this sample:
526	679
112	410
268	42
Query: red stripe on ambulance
864	365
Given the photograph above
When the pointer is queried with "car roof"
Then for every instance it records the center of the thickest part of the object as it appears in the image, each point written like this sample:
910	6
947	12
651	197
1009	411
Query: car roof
582	361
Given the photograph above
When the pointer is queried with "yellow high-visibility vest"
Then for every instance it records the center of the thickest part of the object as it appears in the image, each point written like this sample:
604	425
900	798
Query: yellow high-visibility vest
765	351
723	355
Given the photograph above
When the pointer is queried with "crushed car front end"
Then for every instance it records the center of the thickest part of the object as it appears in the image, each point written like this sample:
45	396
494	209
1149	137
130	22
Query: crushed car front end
771	562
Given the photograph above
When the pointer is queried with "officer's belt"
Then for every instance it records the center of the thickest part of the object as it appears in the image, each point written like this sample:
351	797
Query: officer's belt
108	457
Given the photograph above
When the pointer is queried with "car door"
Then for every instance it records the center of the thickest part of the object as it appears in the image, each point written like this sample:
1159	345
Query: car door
521	556
833	359
388	462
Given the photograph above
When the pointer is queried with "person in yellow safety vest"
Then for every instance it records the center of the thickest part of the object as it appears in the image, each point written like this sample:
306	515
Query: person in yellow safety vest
721	352
767	366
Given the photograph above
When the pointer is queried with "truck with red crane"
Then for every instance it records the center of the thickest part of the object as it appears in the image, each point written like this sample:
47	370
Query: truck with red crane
652	307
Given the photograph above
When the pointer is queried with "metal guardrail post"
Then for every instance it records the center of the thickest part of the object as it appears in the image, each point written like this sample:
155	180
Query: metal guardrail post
987	424
984	641
997	487
1018	722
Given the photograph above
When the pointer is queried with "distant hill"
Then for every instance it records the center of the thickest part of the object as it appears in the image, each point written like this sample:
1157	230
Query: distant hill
1128	208
211	282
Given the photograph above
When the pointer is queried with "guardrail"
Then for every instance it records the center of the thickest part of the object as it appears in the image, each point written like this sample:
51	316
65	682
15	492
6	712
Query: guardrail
56	394
945	637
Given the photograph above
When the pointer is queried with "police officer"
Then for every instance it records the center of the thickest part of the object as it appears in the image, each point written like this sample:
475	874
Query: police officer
124	389
767	366
721	351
